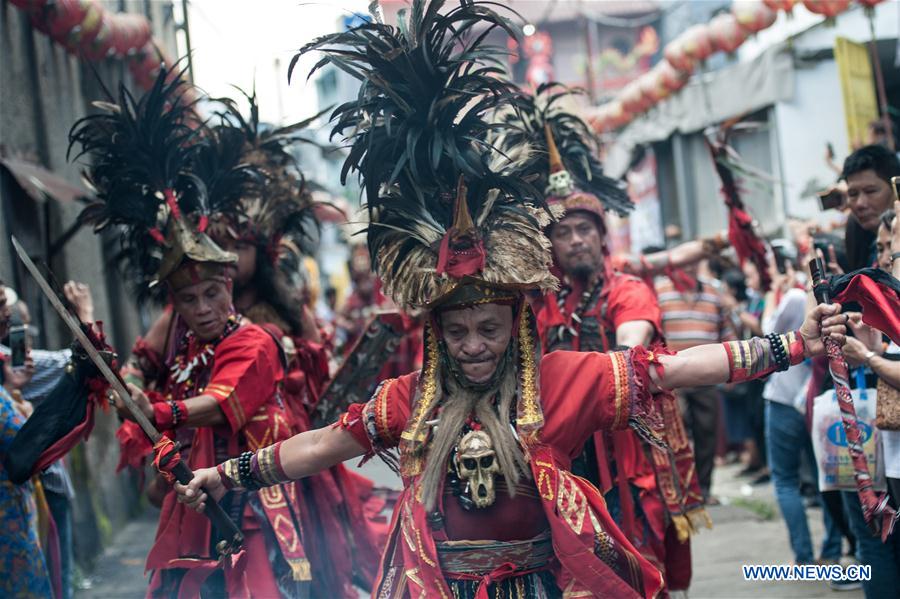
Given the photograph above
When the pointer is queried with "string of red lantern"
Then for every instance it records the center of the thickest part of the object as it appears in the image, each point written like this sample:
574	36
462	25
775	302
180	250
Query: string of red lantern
724	33
87	30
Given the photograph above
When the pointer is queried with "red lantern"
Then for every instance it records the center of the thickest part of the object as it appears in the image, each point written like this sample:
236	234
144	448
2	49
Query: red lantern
677	57
62	17
785	5
617	115
726	33
83	33
753	15
633	99
129	33
697	42
601	120
99	45
652	86
827	8
670	77
145	66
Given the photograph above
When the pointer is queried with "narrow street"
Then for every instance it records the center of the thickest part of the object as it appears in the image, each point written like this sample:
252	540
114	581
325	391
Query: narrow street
747	529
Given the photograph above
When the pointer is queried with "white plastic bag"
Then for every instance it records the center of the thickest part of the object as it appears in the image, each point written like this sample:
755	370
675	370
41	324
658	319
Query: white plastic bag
830	443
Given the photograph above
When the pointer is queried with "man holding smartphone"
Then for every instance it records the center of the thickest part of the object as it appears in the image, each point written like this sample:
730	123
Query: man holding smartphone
868	173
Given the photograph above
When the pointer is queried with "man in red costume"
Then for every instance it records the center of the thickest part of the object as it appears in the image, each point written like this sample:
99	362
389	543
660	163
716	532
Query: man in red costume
537	531
267	231
222	389
486	431
598	309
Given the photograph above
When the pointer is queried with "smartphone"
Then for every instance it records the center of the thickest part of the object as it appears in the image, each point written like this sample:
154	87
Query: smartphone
18	345
829	200
830	149
779	259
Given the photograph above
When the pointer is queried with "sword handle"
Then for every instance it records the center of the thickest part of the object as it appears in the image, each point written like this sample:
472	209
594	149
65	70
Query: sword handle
232	537
820	286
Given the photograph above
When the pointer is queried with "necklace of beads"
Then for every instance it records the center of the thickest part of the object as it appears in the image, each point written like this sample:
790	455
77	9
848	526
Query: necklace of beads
183	368
588	297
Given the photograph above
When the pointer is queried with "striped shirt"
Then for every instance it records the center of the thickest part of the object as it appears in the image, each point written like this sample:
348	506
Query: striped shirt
690	319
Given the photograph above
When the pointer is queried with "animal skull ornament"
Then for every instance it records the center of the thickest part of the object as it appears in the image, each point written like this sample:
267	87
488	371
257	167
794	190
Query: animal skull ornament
476	463
560	184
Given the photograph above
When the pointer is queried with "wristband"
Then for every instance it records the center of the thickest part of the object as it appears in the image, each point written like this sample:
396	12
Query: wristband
179	412
266	467
169	414
252	470
228	473
760	356
163	416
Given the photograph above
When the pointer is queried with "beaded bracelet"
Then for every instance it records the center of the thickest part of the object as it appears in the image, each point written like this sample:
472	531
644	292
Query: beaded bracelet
176	413
168	414
245	471
252	470
778	353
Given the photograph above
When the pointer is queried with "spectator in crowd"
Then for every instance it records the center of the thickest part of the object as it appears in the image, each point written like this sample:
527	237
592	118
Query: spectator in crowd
868	173
33	383
787	436
866	349
23	570
744	405
830	249
693	314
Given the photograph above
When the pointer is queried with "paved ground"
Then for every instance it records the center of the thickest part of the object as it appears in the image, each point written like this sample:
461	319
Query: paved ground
747	529
742	534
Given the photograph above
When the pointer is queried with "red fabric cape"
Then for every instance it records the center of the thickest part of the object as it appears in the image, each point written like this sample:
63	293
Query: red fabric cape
877	292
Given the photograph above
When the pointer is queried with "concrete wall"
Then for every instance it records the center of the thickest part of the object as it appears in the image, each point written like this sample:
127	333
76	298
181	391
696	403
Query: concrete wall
804	125
44	91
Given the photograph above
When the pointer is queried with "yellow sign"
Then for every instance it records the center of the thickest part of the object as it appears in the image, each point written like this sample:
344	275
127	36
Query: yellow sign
857	88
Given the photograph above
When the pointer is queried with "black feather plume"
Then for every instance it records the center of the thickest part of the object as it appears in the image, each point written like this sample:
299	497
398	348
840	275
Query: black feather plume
420	120
574	139
143	151
281	208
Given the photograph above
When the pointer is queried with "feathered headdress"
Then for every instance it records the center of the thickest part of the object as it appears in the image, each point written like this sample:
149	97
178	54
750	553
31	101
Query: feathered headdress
155	176
445	207
280	213
565	159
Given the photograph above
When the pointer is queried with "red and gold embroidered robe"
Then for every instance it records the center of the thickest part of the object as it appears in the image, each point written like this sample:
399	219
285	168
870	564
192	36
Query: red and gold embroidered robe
573	396
245	376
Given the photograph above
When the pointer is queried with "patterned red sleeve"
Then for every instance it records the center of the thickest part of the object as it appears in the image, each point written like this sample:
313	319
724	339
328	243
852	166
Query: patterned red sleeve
755	357
245	373
378	423
584	392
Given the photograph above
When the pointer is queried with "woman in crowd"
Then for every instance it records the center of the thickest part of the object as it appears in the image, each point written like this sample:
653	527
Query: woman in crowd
744	405
23	571
866	349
